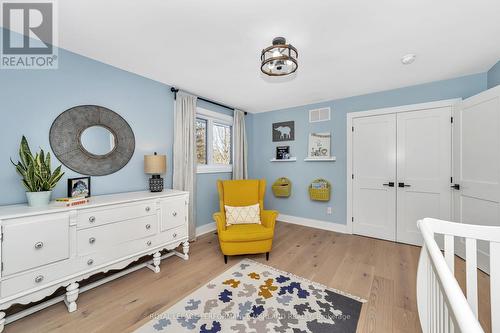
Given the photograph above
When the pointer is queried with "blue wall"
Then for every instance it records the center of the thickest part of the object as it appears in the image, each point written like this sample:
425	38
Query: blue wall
302	173
30	100
494	75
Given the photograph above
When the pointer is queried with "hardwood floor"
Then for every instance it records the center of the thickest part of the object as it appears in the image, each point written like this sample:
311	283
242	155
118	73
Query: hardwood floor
382	272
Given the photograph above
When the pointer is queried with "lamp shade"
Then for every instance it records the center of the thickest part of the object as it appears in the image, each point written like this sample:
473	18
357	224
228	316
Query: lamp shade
155	164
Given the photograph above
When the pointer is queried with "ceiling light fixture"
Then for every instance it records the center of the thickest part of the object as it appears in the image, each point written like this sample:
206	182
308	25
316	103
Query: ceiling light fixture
408	59
279	59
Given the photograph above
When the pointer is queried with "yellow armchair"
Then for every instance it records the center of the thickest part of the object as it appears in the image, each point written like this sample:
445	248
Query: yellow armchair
244	238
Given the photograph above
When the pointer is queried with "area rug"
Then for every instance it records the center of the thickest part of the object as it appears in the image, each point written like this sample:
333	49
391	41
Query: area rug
251	297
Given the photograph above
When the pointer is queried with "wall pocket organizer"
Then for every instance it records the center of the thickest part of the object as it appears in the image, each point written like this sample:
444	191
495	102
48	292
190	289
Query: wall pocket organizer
282	187
319	190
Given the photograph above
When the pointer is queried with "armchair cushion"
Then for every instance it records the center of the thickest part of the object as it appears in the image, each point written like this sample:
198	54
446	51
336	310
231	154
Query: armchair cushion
242	215
245	233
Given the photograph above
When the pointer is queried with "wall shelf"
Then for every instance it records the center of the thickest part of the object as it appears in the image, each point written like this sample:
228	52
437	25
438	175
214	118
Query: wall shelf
291	159
323	159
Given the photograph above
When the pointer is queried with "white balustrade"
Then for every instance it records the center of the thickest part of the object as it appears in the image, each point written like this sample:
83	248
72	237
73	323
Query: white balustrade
442	305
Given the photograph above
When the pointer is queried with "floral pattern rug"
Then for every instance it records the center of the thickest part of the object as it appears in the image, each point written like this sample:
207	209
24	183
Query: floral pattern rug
251	297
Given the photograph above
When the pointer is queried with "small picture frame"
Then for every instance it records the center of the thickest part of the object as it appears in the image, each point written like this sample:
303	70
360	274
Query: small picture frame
319	145
284	131
79	187
283	152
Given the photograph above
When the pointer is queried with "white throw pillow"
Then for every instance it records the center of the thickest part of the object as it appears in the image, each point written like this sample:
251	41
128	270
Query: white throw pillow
243	215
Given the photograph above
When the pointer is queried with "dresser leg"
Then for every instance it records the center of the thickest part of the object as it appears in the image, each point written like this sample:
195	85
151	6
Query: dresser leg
185	250
71	296
2	320
156	262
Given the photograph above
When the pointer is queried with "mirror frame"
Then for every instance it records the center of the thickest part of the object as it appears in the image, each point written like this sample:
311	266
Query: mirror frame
66	131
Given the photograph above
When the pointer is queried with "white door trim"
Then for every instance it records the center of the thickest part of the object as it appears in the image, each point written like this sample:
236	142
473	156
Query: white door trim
397	109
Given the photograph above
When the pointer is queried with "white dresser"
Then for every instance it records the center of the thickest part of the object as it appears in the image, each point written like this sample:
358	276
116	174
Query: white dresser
45	248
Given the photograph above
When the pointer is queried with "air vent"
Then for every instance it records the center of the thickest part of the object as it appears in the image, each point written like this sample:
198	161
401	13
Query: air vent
318	115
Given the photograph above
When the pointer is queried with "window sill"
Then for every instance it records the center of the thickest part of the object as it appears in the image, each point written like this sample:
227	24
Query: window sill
214	169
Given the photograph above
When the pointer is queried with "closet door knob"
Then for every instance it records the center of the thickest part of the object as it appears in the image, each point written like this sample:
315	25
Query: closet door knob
148	226
90	262
148	209
92	219
390	184
148	243
38	245
174	213
174	235
404	185
91	240
39	279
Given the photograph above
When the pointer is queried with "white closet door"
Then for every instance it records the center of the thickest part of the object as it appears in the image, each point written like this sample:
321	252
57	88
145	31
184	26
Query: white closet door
374	168
423	170
477	165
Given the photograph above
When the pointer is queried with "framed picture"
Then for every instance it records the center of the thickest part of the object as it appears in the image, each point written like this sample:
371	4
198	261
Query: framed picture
79	187
283	152
319	145
284	131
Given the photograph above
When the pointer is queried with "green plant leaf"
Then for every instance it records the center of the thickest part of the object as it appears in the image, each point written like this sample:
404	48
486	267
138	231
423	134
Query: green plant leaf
27	185
24	151
56	176
47	160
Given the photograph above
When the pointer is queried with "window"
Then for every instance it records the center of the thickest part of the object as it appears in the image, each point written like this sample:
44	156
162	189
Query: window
201	140
213	141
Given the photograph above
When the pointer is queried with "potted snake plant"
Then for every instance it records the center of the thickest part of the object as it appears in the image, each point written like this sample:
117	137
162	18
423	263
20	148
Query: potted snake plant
38	178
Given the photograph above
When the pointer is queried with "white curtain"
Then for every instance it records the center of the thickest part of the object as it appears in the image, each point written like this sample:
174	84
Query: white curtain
184	166
240	149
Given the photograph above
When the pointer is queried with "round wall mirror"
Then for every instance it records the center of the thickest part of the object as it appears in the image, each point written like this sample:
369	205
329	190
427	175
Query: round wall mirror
92	140
98	140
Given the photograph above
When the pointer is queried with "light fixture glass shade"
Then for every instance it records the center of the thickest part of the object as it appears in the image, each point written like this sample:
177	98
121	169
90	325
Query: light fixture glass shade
279	59
155	164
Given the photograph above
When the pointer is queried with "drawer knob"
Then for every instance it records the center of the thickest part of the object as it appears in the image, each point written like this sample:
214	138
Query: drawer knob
174	235
148	243
39	279
90	262
91	240
148	226
92	219
148	209
38	245
174	213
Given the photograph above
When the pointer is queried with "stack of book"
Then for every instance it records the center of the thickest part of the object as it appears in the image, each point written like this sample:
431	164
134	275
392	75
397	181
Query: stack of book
70	202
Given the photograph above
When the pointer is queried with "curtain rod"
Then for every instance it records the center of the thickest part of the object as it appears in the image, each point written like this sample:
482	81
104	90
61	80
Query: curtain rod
175	90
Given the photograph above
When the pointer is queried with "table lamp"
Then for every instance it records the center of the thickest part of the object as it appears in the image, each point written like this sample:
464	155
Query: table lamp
155	165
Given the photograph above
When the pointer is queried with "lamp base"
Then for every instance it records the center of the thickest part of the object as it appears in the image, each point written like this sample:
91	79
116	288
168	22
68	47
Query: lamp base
156	183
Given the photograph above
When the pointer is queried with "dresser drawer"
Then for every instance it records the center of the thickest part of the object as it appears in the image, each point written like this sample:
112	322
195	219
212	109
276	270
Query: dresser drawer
173	212
34	241
109	235
93	217
173	234
36	278
96	259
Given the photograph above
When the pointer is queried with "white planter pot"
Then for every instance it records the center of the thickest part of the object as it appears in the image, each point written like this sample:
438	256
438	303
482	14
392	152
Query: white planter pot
37	199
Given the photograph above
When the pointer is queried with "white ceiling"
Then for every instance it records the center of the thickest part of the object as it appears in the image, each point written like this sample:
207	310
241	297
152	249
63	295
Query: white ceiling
346	48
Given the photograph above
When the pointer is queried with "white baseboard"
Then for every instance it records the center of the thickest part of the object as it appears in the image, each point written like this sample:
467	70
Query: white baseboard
205	229
318	224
